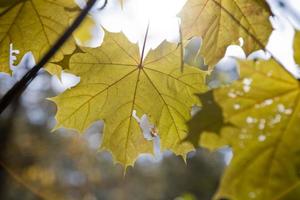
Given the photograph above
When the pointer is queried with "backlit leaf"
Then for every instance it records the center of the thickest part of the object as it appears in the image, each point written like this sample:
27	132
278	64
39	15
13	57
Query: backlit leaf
115	82
264	107
222	23
34	25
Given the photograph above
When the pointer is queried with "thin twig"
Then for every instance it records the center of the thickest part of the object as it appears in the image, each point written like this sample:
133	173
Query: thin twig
20	86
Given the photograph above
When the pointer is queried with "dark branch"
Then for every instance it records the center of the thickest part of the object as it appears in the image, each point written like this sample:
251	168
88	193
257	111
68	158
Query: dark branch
20	86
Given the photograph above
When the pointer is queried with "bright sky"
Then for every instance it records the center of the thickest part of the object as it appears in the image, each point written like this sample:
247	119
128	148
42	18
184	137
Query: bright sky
161	16
281	41
135	17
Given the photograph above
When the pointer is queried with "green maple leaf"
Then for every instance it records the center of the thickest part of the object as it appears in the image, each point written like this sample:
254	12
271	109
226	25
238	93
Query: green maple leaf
222	23
33	25
115	82
264	107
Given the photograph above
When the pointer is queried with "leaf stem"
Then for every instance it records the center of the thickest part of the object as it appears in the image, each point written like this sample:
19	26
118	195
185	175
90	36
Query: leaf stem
20	86
144	46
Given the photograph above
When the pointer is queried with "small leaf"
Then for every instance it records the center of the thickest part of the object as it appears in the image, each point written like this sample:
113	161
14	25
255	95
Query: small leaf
85	33
208	119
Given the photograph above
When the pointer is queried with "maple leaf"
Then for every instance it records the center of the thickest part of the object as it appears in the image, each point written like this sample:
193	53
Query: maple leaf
34	25
115	82
222	23
264	107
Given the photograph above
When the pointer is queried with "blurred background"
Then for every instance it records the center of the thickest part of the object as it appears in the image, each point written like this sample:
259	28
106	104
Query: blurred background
39	164
36	163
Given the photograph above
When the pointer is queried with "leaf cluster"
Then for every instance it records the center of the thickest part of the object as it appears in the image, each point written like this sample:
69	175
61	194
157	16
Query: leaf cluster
257	115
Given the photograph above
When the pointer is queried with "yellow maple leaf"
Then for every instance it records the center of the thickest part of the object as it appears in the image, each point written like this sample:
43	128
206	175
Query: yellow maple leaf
222	23
34	25
115	82
264	107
